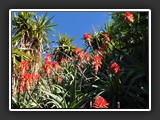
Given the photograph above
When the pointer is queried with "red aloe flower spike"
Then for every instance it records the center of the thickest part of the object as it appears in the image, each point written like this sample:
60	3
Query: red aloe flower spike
56	66
26	81
128	17
26	77
106	37
47	57
23	66
87	56
63	60
80	55
76	50
114	68
87	37
100	102
47	67
59	79
96	62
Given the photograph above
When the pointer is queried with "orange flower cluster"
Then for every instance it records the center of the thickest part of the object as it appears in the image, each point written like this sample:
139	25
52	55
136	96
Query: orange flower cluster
26	81
56	66
82	56
58	79
23	66
47	57
96	62
114	68
87	57
26	78
100	102
87	37
63	60
79	53
106	37
47	67
128	17
76	50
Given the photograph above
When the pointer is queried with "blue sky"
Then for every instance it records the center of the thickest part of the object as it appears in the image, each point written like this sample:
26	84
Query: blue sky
77	23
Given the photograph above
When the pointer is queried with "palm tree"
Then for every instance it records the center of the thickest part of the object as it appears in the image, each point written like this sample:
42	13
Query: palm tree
29	34
43	27
65	49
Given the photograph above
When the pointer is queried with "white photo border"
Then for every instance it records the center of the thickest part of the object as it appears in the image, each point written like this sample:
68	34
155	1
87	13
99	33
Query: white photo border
79	10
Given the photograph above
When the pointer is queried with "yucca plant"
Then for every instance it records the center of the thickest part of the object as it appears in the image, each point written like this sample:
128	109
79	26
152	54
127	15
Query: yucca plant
65	49
31	34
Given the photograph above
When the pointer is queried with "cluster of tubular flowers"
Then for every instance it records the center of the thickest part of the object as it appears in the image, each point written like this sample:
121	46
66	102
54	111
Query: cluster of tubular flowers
58	79
100	102
47	66
63	60
106	37
26	81
76	50
114	68
56	66
87	56
87	38
79	53
128	17
96	62
26	78
23	66
48	57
